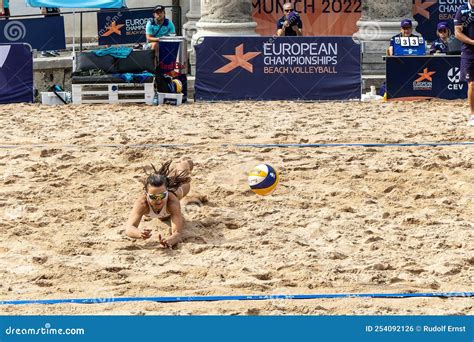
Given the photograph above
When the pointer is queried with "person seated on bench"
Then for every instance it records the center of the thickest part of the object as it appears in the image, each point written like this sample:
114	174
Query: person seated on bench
406	30
160	26
440	45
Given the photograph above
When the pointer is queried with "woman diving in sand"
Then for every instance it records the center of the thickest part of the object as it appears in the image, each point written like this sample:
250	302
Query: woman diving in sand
164	188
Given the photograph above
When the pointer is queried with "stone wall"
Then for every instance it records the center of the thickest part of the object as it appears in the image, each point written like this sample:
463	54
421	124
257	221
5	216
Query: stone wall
226	11
379	22
386	9
50	71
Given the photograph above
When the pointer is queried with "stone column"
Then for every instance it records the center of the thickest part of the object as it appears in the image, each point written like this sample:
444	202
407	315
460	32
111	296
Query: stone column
379	22
192	17
223	18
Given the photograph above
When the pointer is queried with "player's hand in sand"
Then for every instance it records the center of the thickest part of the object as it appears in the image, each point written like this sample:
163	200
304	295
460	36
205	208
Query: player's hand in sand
164	242
146	234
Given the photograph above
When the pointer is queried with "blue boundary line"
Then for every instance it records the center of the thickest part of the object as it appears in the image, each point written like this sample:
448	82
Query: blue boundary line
8	147
235	298
433	144
359	144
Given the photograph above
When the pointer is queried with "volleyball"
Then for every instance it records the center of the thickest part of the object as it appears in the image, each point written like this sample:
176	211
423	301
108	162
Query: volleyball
263	179
178	86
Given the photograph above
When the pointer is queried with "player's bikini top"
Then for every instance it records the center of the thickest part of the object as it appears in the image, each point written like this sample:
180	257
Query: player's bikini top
163	212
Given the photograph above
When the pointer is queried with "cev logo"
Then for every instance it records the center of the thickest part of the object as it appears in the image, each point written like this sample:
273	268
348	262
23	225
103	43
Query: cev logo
454	76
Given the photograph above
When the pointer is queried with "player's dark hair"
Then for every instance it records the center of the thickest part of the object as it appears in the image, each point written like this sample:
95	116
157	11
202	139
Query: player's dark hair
167	177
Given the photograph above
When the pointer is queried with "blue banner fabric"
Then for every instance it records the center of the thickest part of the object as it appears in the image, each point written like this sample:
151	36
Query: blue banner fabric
168	56
428	13
283	68
425	77
237	328
16	73
76	3
42	34
122	27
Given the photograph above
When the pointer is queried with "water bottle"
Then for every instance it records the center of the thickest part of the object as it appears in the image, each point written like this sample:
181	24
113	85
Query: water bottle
373	91
155	99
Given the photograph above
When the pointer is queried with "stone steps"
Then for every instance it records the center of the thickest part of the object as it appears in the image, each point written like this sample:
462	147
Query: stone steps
372	80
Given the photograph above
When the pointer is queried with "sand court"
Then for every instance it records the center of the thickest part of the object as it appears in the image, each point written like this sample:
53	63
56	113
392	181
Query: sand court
343	219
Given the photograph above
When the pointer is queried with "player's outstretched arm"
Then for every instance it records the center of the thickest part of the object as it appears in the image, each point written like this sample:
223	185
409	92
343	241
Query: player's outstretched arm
134	219
177	224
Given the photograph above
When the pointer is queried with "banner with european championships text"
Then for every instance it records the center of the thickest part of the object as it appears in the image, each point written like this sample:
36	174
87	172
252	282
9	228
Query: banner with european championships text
16	74
428	13
284	68
123	26
42	34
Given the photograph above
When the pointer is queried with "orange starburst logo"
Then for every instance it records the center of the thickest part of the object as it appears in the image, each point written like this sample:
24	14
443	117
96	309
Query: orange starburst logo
421	7
425	75
113	28
238	60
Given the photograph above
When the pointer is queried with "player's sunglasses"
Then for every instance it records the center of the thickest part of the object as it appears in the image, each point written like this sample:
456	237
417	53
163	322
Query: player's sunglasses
287	10
161	196
443	30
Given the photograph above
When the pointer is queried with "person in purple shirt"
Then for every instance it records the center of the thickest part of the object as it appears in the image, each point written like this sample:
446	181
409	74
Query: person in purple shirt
290	24
440	45
464	30
406	30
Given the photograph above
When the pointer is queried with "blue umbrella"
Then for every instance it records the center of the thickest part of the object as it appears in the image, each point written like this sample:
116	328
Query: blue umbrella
76	3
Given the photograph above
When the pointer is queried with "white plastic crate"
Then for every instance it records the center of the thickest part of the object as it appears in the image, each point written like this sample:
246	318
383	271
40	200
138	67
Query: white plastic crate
170	98
50	98
113	93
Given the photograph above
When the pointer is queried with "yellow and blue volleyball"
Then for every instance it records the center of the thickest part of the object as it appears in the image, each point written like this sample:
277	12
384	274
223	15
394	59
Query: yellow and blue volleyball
178	86
263	179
